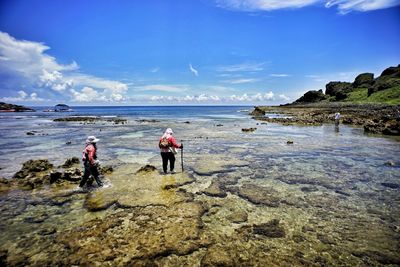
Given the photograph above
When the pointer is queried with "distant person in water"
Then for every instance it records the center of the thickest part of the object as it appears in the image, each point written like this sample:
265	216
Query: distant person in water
337	119
167	145
90	161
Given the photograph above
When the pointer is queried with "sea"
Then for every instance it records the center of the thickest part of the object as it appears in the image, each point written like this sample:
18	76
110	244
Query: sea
329	197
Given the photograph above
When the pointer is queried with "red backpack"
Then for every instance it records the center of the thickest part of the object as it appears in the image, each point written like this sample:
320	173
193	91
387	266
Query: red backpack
164	143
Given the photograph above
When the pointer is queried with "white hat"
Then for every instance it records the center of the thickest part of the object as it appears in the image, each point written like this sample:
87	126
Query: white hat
92	139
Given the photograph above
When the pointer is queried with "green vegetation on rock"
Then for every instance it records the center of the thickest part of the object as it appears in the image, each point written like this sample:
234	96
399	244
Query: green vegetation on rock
384	89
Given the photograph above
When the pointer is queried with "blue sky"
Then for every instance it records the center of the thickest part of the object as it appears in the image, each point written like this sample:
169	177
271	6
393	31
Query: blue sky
195	52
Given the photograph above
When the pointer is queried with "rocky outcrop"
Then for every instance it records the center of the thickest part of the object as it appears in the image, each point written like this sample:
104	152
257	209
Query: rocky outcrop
258	112
248	130
4	107
30	167
392	72
271	229
364	80
389	78
312	96
391	127
70	162
339	90
147	168
375	118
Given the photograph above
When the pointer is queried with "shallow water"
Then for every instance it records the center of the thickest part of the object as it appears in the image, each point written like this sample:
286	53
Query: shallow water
325	189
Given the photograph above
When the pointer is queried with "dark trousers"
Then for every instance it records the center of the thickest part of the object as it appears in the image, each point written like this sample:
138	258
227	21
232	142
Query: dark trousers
90	170
165	157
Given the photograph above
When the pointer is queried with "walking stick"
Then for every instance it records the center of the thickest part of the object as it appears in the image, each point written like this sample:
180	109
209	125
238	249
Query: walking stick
182	156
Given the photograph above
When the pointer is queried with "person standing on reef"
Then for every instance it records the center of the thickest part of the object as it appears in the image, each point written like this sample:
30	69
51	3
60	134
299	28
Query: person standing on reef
167	145
337	119
90	161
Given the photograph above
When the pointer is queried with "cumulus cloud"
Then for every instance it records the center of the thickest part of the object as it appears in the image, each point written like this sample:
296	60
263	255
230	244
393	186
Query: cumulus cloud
87	94
214	99
23	97
26	64
344	6
283	97
193	70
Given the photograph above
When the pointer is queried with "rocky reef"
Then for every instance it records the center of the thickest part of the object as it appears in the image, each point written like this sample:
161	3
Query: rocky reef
90	119
381	119
4	107
37	173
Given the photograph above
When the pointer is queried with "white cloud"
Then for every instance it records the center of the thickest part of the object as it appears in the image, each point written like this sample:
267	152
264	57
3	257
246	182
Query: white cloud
162	88
155	70
193	70
87	94
26	64
344	6
283	97
23	97
240	81
263	5
22	94
279	75
213	99
27	59
242	67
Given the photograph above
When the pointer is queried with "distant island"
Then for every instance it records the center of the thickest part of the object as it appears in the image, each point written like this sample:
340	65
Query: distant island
4	107
373	103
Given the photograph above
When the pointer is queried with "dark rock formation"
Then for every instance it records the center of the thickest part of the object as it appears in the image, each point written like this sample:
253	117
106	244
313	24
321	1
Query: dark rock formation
364	80
248	130
106	169
392	71
258	112
270	229
312	96
33	166
77	119
4	107
339	90
391	127
147	168
70	162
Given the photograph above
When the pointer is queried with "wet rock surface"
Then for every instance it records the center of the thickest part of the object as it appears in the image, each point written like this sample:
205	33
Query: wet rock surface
271	229
257	194
33	166
375	118
328	200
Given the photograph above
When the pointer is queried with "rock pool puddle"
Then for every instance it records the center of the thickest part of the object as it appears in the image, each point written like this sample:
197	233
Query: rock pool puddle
244	199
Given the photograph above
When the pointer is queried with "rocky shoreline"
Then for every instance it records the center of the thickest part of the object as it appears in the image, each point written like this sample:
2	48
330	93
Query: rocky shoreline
375	118
4	107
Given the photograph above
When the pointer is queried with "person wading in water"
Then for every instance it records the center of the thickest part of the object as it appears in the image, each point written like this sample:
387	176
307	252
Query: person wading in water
167	145
90	161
